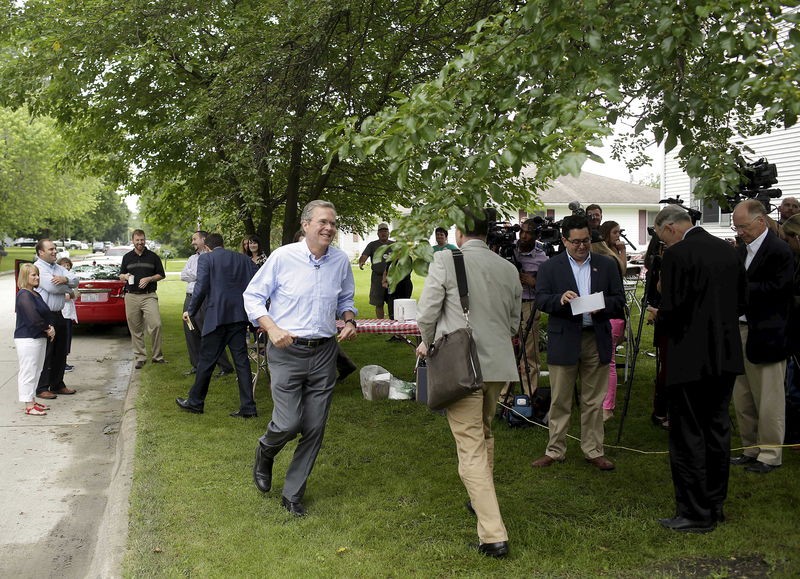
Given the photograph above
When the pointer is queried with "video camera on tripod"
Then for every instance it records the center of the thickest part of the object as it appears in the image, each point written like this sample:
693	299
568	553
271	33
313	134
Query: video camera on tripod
757	179
502	238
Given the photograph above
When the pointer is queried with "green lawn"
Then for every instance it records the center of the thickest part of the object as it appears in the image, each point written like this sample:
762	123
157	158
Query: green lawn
385	499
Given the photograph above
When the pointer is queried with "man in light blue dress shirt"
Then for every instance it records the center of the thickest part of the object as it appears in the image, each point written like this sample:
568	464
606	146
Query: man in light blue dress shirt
54	282
308	284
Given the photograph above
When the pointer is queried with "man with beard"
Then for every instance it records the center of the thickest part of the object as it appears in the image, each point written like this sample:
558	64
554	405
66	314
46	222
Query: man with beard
141	269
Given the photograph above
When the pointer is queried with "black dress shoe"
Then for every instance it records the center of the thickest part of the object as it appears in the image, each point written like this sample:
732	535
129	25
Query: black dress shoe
496	550
262	470
139	365
240	414
297	509
684	525
183	404
757	466
744	459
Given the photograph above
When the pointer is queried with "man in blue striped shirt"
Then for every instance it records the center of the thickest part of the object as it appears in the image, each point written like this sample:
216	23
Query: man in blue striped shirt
54	282
308	285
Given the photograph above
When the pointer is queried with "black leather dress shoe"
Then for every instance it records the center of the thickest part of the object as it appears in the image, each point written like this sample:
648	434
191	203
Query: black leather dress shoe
183	404
262	470
744	459
757	466
684	525
297	509
139	365
496	550
240	414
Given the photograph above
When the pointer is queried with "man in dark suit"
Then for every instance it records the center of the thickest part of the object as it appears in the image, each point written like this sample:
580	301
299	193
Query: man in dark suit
758	395
578	345
702	293
222	277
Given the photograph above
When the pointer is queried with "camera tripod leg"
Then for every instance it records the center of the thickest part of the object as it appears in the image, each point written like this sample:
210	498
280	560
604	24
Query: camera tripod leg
634	355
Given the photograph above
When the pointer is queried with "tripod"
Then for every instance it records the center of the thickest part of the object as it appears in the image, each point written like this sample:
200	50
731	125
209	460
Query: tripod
522	361
630	369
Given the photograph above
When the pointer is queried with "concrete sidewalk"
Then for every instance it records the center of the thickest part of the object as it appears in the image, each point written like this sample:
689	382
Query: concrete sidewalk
65	477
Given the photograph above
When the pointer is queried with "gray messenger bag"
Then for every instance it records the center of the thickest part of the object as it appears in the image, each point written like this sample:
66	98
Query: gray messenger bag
454	370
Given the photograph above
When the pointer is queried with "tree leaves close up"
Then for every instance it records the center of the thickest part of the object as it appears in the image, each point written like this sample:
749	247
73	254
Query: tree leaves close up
215	108
541	83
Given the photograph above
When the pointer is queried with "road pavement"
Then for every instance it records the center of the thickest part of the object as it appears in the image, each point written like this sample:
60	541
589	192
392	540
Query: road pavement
65	477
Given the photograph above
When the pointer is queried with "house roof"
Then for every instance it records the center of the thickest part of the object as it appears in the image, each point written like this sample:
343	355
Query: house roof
590	188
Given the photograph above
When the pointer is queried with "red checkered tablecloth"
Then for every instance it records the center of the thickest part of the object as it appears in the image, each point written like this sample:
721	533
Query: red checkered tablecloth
377	326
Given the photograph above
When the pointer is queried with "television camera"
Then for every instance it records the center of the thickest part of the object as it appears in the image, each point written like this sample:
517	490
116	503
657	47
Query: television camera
757	179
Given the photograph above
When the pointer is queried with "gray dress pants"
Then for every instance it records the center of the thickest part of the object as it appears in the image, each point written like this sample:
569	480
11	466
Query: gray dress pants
302	379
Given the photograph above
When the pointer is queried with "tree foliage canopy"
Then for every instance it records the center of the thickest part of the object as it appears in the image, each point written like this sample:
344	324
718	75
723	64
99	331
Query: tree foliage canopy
215	107
542	82
34	192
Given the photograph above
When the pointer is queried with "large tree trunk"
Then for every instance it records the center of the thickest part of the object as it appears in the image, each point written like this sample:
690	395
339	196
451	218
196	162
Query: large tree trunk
291	219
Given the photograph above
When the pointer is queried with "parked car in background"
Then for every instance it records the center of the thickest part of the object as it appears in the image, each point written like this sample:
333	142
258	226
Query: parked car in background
112	255
102	294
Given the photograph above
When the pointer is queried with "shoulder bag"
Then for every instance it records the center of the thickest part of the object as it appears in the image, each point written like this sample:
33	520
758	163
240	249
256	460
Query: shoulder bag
454	370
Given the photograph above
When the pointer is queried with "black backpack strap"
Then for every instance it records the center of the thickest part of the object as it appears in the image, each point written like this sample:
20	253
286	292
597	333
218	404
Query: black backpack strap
461	279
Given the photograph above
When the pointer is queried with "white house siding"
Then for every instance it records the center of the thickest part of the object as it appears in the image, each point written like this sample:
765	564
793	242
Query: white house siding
674	181
781	147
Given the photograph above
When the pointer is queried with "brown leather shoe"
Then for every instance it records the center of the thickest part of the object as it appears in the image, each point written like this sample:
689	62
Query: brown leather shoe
543	462
601	462
65	390
47	395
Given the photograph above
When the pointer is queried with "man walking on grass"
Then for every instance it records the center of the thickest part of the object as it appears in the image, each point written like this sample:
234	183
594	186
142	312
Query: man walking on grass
307	285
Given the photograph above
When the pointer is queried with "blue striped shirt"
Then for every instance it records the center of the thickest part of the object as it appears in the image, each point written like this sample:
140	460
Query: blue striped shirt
306	294
52	294
583	277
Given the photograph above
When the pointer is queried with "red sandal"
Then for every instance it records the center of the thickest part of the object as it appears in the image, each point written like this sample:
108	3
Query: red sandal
40	406
33	411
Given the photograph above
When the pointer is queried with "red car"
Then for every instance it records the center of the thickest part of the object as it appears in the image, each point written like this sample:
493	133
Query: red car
101	299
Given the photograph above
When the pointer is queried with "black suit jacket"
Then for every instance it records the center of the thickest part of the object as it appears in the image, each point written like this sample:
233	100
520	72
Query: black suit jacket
563	329
222	277
703	293
769	283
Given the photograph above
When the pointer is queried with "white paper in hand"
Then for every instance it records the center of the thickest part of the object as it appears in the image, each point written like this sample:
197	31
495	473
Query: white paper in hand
590	303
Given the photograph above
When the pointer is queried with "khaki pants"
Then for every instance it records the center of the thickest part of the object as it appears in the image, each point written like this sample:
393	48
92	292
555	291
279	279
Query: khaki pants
594	383
760	402
471	424
143	316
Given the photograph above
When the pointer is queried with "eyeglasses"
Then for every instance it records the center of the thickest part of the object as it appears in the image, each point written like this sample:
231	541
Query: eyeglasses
326	223
743	227
577	242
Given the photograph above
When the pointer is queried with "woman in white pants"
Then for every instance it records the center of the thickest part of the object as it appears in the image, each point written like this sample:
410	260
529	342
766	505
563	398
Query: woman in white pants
32	329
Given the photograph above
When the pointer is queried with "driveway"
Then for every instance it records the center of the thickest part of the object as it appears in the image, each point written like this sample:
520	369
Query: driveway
64	477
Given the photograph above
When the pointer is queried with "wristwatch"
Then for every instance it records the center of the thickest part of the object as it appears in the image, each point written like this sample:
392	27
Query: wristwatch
351	321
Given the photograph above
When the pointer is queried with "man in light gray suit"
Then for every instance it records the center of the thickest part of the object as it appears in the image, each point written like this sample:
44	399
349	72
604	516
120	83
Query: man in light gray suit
494	313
